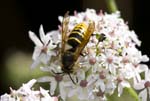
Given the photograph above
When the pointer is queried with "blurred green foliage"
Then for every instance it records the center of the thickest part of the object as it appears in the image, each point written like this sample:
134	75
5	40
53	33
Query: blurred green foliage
18	69
128	95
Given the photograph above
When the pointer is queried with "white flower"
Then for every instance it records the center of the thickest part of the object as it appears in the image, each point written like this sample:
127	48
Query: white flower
55	37
84	87
52	81
46	96
7	97
109	60
144	86
57	80
122	83
42	52
26	88
107	65
26	93
135	38
101	78
110	85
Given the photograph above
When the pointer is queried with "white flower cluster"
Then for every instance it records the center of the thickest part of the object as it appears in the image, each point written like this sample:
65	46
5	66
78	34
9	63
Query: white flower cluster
109	65
25	93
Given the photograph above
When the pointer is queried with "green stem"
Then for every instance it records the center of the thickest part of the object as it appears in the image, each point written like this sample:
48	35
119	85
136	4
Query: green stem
111	5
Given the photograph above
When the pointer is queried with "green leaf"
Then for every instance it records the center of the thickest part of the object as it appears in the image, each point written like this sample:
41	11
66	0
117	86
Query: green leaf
128	95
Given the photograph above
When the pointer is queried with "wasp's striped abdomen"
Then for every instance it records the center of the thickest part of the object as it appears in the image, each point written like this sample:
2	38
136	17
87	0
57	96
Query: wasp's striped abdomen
77	35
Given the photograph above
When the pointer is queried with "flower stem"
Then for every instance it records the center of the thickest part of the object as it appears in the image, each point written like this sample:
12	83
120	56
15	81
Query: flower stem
111	5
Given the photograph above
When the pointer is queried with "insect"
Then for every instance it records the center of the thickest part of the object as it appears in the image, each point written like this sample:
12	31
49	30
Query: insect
77	40
101	37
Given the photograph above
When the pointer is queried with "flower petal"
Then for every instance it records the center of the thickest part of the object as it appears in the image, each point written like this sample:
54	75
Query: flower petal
44	92
35	63
44	58
31	83
42	34
102	86
6	97
145	58
139	85
120	89
45	69
81	75
53	86
142	68
63	92
72	92
147	75
143	95
125	84
35	39
36	53
100	83
82	94
46	79
91	79
60	18
55	36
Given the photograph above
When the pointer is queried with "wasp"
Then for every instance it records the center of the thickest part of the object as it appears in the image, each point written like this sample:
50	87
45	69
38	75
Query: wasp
76	40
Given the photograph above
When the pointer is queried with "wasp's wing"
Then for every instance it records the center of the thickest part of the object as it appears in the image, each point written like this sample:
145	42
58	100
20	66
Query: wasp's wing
88	34
64	31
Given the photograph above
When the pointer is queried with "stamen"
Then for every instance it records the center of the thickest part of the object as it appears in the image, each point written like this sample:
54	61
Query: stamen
147	84
92	61
83	83
102	75
58	77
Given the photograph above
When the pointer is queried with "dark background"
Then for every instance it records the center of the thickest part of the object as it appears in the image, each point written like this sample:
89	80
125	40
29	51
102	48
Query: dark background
17	17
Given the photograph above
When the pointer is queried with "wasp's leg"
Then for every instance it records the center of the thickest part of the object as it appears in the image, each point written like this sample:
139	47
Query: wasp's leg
57	73
73	80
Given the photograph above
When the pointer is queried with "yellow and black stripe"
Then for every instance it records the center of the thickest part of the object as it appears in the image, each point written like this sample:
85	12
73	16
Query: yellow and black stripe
77	36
